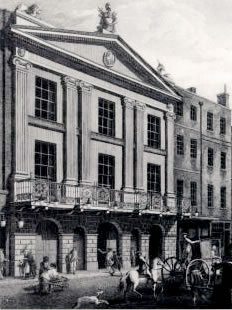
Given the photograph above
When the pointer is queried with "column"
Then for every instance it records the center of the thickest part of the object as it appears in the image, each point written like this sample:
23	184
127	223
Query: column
125	251
144	245
91	252
65	246
170	196
128	134
85	128
170	240
70	140
139	144
22	68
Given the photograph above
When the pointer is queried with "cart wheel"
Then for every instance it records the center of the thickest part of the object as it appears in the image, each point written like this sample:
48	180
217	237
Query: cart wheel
197	274
171	271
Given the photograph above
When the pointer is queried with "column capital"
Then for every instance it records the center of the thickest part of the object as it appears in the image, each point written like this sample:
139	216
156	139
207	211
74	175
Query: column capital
69	81
85	87
128	103
170	115
21	64
140	105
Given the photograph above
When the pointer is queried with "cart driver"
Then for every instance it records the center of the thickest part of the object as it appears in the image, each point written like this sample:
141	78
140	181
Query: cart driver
189	251
142	265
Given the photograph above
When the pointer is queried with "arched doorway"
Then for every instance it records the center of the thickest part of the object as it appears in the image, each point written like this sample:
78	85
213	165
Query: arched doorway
79	244
135	246
47	242
107	238
155	242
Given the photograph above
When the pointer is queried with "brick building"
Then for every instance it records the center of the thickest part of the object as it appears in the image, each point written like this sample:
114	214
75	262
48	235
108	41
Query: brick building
87	143
202	167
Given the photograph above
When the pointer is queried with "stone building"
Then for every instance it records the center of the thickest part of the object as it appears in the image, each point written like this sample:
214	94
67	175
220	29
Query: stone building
86	146
202	167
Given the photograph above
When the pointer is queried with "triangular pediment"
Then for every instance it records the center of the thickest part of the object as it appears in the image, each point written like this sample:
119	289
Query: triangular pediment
107	52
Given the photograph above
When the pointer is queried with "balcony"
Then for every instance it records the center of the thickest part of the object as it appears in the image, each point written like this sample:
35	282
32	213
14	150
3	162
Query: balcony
185	207
60	195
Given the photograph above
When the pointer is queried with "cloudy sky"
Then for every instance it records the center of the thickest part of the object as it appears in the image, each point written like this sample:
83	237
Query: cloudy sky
192	38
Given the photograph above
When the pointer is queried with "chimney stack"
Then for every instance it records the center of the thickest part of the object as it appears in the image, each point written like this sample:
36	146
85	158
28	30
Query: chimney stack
223	98
192	89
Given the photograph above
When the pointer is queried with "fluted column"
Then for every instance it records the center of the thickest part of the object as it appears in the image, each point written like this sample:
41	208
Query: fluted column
85	129
128	135
70	141
170	196
22	68
139	144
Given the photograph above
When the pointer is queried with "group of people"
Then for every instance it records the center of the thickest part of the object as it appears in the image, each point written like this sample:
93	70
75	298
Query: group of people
27	265
47	273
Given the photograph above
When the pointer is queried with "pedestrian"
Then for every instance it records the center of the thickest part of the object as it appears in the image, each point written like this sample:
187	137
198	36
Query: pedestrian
108	259
32	264
189	250
2	262
133	257
73	258
67	262
142	265
116	263
44	287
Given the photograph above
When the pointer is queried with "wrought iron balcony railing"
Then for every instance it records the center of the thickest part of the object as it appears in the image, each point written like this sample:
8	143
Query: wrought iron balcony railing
32	190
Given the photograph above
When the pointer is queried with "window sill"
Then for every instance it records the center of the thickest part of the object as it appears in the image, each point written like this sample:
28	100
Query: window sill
210	168
210	130
108	139
45	124
150	149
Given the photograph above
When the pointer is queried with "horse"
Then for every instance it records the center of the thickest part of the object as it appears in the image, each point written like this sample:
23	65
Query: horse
131	280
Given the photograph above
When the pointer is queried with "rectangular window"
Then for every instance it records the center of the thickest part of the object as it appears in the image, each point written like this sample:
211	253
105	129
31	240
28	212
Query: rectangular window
209	121
210	196
178	108
106	170
210	157
193	113
222	126
45	161
106	117
193	189
223	197
45	99
223	160
153	131
180	145
153	178
193	148
179	191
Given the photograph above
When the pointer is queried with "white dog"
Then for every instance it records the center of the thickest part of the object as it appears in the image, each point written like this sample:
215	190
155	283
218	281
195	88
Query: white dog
84	301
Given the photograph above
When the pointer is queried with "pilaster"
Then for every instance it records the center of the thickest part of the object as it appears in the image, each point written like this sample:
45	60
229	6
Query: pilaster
139	144
65	246
71	139
126	246
144	245
128	134
91	252
85	128
170	196
22	68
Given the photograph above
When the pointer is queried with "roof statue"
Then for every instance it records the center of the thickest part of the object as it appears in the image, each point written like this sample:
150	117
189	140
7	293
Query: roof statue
162	71
32	10
108	19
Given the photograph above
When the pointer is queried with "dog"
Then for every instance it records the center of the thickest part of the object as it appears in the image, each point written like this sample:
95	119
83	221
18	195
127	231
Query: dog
84	301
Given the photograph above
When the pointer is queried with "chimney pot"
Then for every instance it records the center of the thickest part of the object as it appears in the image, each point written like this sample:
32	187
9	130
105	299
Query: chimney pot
192	89
223	98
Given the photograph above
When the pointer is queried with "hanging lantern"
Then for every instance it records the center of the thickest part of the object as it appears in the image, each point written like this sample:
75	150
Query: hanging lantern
3	223
21	223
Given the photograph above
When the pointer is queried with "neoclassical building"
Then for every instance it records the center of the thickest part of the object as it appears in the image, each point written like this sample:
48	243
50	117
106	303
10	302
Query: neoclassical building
87	146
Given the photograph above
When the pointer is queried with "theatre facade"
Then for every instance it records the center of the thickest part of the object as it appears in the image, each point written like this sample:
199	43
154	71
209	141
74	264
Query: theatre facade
87	147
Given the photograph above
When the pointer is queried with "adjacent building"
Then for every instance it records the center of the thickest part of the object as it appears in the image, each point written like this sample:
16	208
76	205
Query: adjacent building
87	147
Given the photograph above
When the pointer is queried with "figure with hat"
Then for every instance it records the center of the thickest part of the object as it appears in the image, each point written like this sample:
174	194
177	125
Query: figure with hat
142	265
44	286
189	251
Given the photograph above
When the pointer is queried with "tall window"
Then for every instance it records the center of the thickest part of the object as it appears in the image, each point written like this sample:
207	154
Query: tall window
193	113
180	145
106	117
210	196
193	189
153	131
153	178
210	157
178	108
223	160
45	160
223	197
106	170
179	191
193	148
222	126
209	121
45	98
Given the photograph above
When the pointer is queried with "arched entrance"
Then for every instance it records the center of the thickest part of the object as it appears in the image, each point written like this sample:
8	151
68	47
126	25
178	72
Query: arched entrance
155	242
135	246
79	244
47	242
107	238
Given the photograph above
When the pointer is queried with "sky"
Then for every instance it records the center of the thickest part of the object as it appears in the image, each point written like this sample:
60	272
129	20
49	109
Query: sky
191	38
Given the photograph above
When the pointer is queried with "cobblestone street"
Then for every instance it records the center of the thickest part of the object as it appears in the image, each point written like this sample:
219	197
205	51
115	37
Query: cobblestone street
15	293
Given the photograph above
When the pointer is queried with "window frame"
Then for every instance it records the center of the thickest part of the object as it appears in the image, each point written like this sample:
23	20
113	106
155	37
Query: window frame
223	197
106	124
222	125
179	108
210	196
153	131
193	193
193	113
210	118
180	145
223	160
153	178
210	157
193	148
106	165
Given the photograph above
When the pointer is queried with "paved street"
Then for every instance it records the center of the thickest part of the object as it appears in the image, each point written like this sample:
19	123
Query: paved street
15	293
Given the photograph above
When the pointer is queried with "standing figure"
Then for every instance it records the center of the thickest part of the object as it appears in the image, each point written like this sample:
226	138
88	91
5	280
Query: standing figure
26	266
133	257
67	262
109	259
189	252
44	287
142	265
2	261
116	263
73	258
32	264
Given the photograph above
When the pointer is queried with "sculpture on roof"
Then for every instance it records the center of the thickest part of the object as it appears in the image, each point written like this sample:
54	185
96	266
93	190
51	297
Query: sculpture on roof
32	10
162	71
108	19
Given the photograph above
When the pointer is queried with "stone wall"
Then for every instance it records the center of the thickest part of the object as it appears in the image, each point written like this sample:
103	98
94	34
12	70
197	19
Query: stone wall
91	252
65	246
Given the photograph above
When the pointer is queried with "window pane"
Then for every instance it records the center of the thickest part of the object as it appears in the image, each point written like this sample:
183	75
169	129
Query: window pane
153	131
106	117
106	170
45	160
